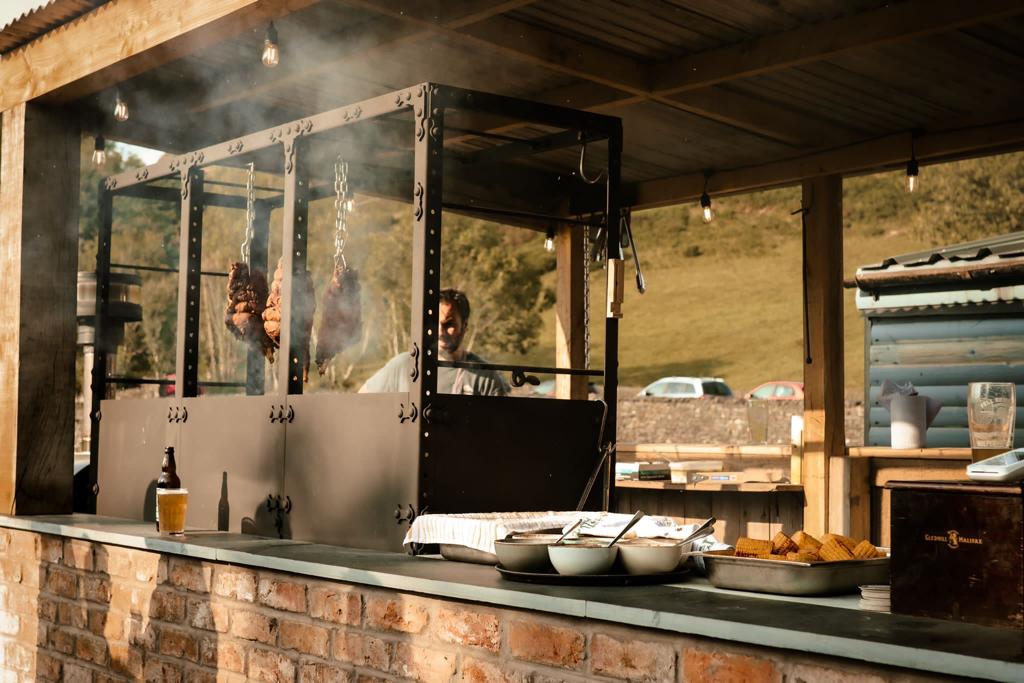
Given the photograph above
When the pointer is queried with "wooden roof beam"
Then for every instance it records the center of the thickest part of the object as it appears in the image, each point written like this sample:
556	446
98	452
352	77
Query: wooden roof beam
889	152
550	50
122	39
891	23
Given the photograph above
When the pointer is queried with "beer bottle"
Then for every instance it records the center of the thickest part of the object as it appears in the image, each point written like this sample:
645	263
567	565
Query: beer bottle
168	478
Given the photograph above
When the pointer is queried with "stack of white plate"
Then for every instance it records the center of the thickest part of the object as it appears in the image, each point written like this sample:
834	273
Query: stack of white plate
875	598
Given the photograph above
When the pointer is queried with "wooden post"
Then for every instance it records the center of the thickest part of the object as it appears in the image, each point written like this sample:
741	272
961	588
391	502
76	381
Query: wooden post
39	158
850	496
569	325
824	410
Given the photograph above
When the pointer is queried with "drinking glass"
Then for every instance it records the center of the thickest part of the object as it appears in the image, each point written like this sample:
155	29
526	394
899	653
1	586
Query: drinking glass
991	408
757	421
172	504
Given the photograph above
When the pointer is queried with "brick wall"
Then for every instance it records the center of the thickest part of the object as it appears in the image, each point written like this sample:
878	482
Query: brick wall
85	612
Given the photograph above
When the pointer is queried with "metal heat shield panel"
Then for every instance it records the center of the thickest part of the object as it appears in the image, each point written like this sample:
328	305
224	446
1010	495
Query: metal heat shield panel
349	464
231	459
508	454
132	438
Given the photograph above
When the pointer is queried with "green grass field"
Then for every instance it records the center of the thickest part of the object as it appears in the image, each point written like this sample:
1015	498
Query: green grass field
734	310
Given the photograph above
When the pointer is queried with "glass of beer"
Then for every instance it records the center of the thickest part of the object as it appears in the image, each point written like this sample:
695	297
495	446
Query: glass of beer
173	504
991	408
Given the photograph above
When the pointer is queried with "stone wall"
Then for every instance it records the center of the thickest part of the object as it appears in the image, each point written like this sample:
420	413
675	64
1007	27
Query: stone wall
715	421
84	612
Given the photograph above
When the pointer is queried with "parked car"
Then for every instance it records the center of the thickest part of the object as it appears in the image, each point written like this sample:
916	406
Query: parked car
687	387
777	390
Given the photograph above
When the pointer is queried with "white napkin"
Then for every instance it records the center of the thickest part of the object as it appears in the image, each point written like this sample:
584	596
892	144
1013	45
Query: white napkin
479	530
891	389
609	524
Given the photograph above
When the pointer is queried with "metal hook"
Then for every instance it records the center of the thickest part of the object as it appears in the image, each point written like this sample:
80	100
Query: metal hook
583	175
519	378
342	202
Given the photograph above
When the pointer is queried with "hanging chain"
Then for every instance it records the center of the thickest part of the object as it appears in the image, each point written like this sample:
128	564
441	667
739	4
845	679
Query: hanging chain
586	297
342	206
250	212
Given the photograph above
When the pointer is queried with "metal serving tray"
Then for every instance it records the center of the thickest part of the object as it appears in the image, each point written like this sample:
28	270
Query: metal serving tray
783	577
461	553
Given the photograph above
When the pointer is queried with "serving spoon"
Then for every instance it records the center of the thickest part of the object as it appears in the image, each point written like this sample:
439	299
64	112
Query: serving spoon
570	530
637	516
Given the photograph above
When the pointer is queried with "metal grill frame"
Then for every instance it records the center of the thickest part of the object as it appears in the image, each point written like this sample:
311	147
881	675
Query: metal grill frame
429	103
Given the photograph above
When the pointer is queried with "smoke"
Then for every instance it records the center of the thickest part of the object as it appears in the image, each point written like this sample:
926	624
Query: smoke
332	55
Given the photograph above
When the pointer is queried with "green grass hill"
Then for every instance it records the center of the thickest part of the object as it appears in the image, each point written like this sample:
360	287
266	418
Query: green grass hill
724	298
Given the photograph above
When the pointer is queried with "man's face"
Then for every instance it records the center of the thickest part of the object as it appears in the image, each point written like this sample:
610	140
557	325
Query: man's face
451	328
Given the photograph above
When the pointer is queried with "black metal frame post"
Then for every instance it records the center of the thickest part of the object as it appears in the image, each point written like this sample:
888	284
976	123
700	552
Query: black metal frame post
426	262
293	262
190	257
99	367
255	363
611	325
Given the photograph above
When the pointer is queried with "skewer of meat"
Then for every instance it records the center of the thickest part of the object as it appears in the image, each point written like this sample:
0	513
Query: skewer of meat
247	296
341	316
305	307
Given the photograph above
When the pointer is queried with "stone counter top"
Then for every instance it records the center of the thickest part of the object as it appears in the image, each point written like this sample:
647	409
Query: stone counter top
827	626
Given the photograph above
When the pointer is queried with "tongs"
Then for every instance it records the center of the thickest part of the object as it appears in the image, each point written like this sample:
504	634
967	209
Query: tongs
641	283
703	531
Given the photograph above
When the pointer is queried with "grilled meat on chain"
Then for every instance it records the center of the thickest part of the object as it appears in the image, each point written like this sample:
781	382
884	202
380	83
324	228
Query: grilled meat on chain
247	296
305	307
340	317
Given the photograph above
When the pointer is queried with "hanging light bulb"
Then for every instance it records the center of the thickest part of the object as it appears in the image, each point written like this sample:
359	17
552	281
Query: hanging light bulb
120	109
271	51
549	240
705	199
705	205
912	172
99	152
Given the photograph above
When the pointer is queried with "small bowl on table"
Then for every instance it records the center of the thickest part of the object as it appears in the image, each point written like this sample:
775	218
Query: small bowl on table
583	558
525	553
651	556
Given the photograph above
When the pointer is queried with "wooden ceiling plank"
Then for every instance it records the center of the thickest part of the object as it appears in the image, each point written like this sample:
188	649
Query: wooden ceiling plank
898	22
874	155
122	39
550	50
404	24
761	116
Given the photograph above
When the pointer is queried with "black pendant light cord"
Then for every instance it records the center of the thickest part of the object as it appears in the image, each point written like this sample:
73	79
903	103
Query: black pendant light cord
803	211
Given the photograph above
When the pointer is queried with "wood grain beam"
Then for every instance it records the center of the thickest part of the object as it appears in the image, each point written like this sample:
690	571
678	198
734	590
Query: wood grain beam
824	409
570	331
544	48
891	23
122	39
39	162
880	154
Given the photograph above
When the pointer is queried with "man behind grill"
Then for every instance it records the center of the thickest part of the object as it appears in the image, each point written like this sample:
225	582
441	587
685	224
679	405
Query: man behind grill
453	320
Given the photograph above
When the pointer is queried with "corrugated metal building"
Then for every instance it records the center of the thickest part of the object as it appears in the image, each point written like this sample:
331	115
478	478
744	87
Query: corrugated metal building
942	319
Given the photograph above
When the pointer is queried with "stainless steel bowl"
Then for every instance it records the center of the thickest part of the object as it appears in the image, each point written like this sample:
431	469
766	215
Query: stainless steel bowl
527	554
644	556
577	559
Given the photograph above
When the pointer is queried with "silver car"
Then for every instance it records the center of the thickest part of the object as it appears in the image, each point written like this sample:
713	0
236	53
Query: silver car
687	387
